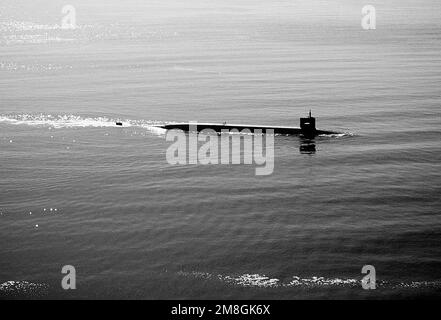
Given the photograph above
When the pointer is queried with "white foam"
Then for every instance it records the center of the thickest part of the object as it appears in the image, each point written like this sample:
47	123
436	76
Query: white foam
34	67
20	288
71	121
337	135
64	121
257	280
321	282
252	280
14	32
14	25
155	130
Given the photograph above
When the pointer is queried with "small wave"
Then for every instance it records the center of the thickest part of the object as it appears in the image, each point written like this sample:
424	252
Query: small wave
177	68
33	39
263	281
23	288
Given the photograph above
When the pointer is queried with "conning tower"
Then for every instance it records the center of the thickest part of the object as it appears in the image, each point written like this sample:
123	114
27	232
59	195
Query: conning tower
307	125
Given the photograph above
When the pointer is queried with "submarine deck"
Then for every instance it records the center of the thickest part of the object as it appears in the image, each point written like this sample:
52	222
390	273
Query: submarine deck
219	127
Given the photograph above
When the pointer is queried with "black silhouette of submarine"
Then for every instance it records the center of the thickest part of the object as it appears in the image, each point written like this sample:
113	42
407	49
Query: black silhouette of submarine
307	127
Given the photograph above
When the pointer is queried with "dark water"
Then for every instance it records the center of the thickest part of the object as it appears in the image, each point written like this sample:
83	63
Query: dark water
107	202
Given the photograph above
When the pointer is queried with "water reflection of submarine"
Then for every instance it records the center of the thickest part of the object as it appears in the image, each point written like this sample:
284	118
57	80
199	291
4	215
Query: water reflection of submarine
307	148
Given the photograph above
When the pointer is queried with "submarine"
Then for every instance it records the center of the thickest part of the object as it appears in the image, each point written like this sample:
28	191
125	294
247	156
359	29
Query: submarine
307	127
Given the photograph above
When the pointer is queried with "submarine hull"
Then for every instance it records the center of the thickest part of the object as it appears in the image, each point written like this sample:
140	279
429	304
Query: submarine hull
228	127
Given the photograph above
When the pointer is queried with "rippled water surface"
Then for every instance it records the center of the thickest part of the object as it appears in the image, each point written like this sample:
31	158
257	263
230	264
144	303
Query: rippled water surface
77	190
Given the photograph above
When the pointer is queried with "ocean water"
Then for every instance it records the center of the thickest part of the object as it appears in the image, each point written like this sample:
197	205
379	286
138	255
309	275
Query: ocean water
77	190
